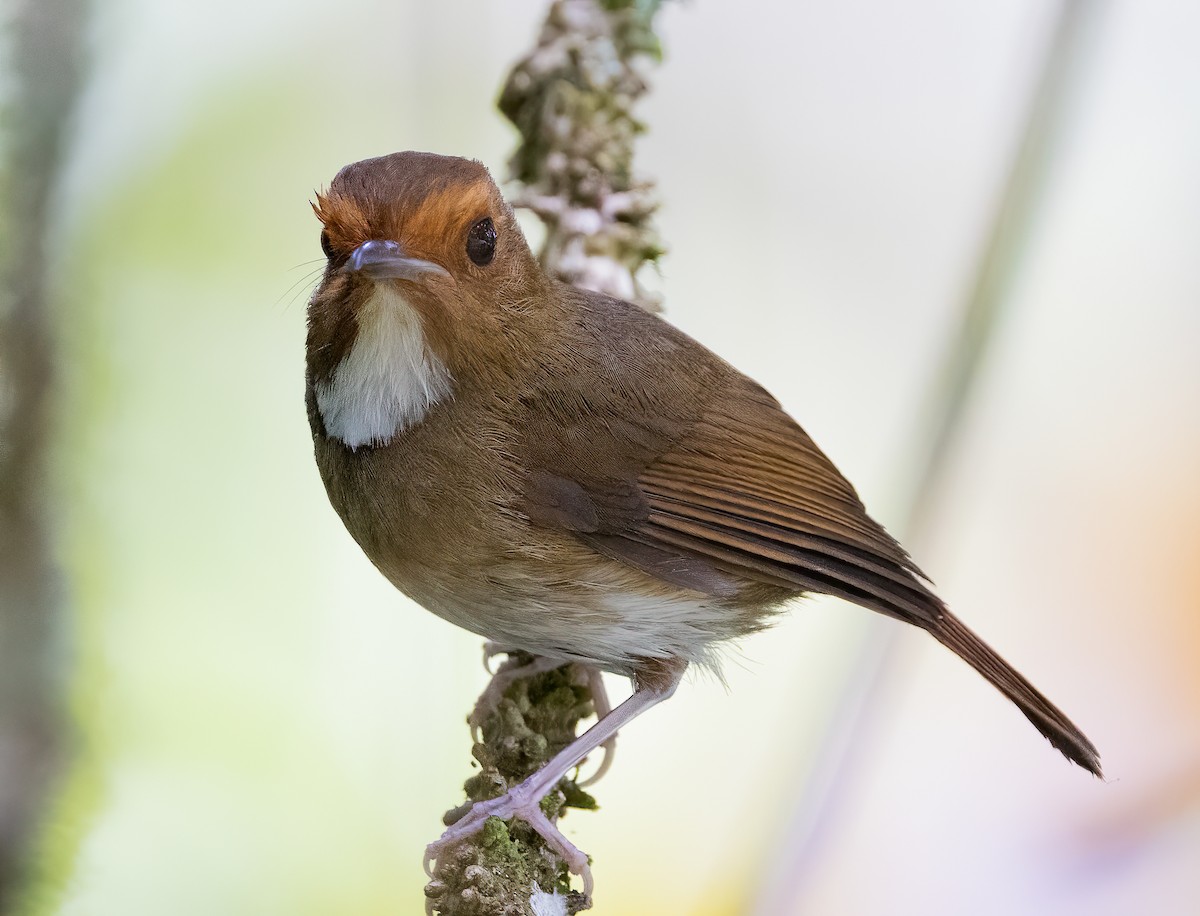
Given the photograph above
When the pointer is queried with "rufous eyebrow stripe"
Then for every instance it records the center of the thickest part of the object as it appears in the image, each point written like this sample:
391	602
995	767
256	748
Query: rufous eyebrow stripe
423	227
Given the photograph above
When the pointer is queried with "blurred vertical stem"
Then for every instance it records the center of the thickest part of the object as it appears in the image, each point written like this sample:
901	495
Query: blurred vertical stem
572	99
44	40
939	429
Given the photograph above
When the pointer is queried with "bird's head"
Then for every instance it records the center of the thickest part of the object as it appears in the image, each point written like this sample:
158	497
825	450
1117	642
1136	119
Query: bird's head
427	277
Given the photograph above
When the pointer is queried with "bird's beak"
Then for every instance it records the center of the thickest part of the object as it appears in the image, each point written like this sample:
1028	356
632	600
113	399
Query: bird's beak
386	260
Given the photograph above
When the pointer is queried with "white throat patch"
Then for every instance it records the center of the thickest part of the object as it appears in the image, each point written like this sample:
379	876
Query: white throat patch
388	380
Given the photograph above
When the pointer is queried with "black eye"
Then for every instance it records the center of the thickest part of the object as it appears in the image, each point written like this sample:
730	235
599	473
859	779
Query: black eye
481	242
325	246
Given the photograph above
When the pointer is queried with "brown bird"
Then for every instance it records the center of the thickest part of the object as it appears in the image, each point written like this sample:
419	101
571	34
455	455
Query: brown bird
567	474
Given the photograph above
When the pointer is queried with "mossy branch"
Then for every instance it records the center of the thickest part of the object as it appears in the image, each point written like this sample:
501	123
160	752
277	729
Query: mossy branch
572	99
506	866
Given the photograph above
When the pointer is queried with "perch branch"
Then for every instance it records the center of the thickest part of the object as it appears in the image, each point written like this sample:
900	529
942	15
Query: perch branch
572	99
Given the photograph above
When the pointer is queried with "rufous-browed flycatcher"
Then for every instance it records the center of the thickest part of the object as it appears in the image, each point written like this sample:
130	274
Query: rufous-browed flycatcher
566	474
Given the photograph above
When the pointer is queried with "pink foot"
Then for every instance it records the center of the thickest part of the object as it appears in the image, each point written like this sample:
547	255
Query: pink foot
521	802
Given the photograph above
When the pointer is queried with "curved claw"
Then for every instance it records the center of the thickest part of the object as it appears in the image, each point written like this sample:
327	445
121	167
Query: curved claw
490	650
603	708
429	860
610	749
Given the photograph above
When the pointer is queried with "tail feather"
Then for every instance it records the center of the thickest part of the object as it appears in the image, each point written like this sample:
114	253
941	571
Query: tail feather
1046	717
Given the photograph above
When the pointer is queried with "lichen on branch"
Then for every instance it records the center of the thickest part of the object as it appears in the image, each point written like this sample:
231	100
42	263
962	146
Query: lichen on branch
572	99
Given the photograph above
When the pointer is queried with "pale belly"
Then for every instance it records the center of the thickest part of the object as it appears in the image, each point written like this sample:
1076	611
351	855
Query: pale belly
606	614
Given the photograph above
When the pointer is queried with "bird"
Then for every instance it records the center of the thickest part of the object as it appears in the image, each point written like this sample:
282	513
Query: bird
566	474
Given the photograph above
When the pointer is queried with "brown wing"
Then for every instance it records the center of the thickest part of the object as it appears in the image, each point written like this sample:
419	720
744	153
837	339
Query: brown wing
677	464
749	489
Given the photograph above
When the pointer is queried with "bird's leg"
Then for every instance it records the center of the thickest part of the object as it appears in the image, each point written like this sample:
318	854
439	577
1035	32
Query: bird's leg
654	682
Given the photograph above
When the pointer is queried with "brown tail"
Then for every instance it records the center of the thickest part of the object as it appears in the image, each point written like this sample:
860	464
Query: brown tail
1057	728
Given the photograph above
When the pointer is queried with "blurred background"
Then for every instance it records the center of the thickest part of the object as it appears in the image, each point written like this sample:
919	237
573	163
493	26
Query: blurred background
262	725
